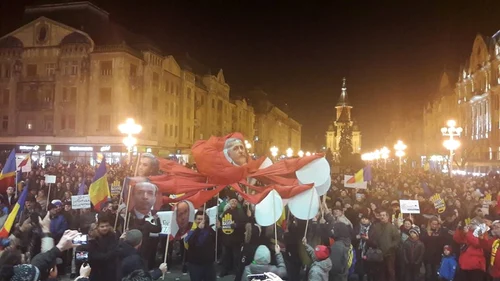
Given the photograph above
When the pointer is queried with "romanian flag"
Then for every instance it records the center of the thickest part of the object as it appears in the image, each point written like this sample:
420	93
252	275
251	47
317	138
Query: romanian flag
99	190
8	174
7	226
25	165
363	175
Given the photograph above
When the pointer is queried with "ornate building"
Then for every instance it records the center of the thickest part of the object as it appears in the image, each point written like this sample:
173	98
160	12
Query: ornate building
342	119
69	76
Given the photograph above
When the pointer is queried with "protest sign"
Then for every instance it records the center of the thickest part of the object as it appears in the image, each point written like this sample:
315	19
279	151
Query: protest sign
359	185
409	206
80	202
166	222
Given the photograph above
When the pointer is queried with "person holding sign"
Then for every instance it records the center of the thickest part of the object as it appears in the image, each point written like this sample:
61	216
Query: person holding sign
200	246
232	224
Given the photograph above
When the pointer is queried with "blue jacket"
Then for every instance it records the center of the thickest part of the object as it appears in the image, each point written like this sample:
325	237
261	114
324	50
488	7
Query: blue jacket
58	225
448	267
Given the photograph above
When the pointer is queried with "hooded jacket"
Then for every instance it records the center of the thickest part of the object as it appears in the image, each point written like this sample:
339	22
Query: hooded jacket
492	246
261	261
413	251
473	256
448	267
131	260
319	269
339	252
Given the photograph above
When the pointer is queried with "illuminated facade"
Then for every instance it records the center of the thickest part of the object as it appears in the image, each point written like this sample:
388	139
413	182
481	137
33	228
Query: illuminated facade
342	118
67	82
478	90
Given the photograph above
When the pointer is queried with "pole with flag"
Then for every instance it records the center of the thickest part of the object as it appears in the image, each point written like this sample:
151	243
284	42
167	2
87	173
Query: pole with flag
18	208
8	173
99	189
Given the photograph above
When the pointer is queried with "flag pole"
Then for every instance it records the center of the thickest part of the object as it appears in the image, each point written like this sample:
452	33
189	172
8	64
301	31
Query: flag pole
127	216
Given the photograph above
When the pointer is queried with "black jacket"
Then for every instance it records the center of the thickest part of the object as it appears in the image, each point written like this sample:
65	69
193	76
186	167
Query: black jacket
131	260
103	257
201	246
45	261
434	244
413	251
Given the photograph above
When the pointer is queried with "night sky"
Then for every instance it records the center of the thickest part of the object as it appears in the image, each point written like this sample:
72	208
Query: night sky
298	51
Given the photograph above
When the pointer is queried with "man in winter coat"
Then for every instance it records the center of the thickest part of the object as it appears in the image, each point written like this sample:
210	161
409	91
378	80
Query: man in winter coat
103	251
321	265
434	239
261	263
339	253
491	245
385	236
200	244
131	259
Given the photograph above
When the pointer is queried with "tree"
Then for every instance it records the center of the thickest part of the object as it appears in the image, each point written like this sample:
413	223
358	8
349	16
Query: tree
466	153
329	156
345	144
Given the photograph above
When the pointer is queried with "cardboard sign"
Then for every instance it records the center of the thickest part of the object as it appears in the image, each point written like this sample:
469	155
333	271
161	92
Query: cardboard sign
166	222
409	206
80	202
212	216
116	188
439	203
50	179
360	185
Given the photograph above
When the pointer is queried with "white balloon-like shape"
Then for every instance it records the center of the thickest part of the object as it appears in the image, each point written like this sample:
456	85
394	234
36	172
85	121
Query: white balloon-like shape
305	205
322	189
316	172
269	210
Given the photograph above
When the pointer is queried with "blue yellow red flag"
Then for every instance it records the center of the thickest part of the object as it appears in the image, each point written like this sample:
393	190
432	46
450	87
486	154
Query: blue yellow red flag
99	189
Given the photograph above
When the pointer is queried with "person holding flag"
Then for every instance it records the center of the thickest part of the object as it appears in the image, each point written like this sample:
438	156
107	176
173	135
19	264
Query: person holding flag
8	173
17	210
99	190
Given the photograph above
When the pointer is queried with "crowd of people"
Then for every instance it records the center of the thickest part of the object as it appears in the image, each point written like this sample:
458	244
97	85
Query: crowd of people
358	234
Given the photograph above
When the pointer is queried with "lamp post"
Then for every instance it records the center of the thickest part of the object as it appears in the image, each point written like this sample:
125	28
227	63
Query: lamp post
400	152
248	145
300	153
384	153
451	144
274	151
130	128
289	152
308	153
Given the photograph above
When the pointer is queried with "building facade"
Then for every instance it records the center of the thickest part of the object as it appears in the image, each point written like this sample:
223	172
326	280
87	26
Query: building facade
342	118
69	76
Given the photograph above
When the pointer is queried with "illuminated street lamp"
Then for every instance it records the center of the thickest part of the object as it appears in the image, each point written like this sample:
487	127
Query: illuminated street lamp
384	154
369	156
400	152
274	151
130	128
300	153
451	144
308	153
289	152
248	145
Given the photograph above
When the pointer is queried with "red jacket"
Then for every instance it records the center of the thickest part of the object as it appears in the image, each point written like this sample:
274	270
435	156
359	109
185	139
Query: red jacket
473	256
487	245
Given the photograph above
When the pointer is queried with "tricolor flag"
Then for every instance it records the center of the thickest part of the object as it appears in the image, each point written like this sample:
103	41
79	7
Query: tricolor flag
25	165
99	189
363	175
8	174
7	226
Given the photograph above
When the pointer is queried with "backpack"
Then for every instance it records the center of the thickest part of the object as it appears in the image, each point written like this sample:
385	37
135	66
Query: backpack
351	260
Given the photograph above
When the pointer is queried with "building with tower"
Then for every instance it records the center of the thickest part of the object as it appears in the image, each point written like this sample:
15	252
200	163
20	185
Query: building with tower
342	119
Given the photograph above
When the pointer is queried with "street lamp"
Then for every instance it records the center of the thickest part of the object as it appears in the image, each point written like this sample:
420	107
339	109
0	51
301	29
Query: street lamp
274	151
384	153
248	145
301	153
130	128
289	152
400	152
308	153
451	144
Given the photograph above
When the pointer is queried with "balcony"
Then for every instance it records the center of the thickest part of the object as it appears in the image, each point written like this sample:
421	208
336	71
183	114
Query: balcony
35	106
37	78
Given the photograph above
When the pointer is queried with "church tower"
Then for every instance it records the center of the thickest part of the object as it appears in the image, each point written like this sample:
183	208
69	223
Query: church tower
342	118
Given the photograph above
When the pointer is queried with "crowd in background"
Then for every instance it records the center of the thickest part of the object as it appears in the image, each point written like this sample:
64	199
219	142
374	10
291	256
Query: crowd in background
359	234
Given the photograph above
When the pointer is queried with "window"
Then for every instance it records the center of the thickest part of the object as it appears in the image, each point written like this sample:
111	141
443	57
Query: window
172	88
176	90
71	122
166	108
219	105
105	95
5	122
104	123
63	122
188	113
72	97
156	80
47	95
74	68
189	132
165	130
153	130
5	97
29	125
171	130
213	104
167	86
50	69
5	69
155	104
48	123
106	68
176	108
176	131
69	94
189	93
171	110
133	70
31	70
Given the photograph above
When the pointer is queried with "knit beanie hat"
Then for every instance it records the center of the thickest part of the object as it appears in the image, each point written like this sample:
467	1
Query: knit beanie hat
134	237
25	272
262	255
322	252
447	248
415	230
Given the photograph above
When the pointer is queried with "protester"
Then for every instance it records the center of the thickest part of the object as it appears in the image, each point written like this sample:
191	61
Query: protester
201	245
448	266
261	263
322	264
413	254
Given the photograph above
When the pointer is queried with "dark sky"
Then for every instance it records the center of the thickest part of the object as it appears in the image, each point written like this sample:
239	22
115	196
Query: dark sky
392	53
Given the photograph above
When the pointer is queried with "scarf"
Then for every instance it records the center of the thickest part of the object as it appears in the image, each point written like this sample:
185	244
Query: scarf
494	249
364	229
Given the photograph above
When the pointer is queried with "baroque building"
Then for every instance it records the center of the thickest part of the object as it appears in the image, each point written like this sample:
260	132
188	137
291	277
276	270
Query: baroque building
341	120
69	76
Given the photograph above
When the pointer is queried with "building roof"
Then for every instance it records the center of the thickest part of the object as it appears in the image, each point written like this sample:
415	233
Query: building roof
75	38
343	100
11	42
344	117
